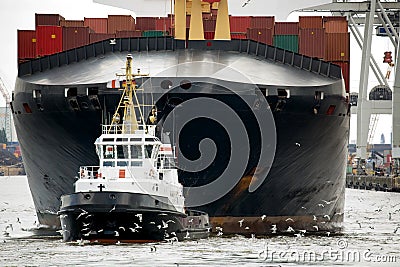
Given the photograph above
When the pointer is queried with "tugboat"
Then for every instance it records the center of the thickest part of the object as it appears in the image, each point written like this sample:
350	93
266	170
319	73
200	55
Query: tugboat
134	195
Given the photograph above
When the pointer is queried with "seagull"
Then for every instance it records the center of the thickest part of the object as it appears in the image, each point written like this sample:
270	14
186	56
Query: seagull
122	228
328	233
314	217
304	208
290	229
218	228
247	228
152	223
303	231
245	3
273	229
112	209
170	221
327	202
289	219
18	221
139	216
298	235
9	226
321	205
159	226
298	144
84	212
116	233
241	222
359	224
327	216
191	220
101	230
173	233
165	225
316	227
395	230
263	217
133	230
219	233
137	226
187	235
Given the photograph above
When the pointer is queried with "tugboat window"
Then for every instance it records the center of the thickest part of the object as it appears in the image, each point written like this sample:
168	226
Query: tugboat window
147	151
109	164
122	152
108	152
136	152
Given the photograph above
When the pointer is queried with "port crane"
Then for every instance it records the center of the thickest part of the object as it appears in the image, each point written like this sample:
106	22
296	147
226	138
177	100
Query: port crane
6	116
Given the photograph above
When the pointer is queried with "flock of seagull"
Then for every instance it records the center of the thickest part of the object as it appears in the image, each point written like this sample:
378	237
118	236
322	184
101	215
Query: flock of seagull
86	231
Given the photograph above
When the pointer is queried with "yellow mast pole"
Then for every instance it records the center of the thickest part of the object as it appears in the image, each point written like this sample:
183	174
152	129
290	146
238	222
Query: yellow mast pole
196	31
222	28
180	19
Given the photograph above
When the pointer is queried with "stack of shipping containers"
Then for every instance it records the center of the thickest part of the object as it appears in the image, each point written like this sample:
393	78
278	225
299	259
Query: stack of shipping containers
324	38
287	36
337	40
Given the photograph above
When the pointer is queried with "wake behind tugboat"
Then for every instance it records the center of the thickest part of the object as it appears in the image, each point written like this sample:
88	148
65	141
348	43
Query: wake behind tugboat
134	195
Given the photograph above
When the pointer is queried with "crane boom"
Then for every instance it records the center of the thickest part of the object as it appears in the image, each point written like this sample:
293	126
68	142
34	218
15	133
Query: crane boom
7	114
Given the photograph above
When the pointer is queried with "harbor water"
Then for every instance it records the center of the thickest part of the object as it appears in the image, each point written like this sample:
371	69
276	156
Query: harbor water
371	237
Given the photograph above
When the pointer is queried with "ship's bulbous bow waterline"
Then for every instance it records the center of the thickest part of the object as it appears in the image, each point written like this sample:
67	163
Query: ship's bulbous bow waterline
61	101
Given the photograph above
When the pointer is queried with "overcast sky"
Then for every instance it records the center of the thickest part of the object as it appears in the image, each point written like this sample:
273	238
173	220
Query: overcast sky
20	14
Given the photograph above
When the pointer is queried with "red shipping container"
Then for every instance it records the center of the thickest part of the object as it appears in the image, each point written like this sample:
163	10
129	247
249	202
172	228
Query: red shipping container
209	25
312	42
48	19
239	24
286	28
337	47
163	24
120	23
26	44
209	35
49	40
146	23
238	36
97	37
339	26
310	22
98	25
262	22
128	34
345	65
72	23
264	36
74	37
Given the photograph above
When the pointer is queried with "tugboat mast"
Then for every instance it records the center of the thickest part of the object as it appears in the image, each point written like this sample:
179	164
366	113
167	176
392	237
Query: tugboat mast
130	122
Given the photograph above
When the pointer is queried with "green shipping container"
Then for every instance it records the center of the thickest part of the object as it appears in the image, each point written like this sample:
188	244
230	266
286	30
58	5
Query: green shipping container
153	33
287	42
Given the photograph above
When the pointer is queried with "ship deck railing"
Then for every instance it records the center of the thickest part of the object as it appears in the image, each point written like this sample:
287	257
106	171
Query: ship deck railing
126	129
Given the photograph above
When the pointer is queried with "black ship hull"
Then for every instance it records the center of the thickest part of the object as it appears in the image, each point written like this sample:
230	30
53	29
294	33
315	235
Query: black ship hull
110	217
304	188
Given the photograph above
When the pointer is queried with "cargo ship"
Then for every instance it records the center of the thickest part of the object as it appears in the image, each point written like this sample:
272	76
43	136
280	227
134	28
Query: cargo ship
62	99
